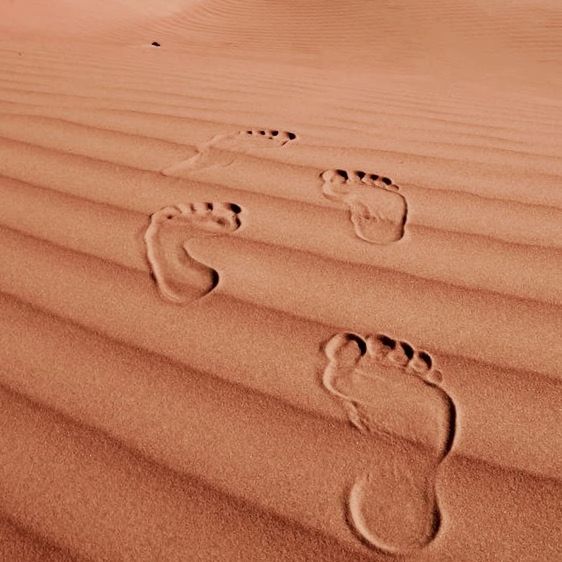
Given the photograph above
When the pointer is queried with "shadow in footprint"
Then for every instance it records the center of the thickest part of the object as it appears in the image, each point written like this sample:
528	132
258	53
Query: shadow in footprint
377	211
388	388
222	150
180	278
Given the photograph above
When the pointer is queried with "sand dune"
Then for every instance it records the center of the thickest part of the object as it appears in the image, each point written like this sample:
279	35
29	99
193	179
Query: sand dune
285	286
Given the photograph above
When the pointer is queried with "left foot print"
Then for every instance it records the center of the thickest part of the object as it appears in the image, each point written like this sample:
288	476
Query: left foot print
222	150
388	388
377	211
180	277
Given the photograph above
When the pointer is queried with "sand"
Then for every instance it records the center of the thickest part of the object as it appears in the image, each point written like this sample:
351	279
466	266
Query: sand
280	281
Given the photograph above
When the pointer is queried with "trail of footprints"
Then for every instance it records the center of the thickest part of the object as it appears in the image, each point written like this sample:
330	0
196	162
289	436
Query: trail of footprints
371	377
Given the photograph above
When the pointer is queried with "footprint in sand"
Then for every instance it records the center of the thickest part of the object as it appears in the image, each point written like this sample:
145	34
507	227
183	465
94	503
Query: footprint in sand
181	278
388	388
222	150
377	211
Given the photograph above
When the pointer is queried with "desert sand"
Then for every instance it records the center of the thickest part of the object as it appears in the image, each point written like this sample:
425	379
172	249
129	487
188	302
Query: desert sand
280	281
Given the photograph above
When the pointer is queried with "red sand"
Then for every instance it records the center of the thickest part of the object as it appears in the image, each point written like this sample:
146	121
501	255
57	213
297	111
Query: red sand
287	286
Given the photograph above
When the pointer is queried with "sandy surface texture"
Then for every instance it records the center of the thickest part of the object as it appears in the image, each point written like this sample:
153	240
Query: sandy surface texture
280	280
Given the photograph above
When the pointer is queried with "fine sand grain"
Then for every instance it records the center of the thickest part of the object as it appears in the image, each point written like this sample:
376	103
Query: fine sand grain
281	281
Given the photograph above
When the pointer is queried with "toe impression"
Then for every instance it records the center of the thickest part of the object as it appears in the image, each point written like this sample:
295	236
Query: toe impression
345	350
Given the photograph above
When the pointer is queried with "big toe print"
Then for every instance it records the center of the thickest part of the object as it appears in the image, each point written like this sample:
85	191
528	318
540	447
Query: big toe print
391	390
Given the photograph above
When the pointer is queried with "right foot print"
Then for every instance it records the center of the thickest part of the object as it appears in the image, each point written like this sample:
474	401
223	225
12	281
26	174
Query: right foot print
377	211
179	277
388	388
222	150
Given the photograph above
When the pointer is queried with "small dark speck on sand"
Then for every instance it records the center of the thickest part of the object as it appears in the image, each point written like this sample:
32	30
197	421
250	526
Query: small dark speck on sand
155	44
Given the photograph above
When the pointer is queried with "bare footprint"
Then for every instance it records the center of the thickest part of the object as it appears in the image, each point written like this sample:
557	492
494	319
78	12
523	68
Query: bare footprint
222	150
390	389
181	278
378	212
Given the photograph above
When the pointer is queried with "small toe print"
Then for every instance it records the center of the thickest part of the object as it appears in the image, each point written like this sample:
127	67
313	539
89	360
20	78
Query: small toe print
380	346
286	136
401	354
201	208
435	377
233	207
374	180
226	215
421	362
